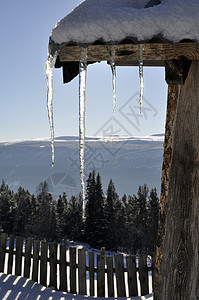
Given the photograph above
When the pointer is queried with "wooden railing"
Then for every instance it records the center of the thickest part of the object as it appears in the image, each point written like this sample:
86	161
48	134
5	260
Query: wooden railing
76	270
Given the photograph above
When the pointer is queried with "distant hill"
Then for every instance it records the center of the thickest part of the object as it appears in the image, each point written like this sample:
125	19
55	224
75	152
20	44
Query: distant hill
129	161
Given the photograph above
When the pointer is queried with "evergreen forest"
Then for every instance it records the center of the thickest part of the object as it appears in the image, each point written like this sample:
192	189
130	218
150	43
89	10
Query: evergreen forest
128	224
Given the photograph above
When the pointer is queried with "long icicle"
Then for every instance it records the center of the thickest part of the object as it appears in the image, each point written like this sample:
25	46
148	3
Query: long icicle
82	93
50	63
113	69
141	51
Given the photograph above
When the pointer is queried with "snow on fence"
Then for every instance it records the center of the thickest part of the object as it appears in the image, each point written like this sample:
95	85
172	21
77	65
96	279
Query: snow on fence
74	270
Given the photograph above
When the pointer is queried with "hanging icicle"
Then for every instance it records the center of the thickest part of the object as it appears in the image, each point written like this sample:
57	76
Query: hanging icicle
50	63
82	92
113	69
141	51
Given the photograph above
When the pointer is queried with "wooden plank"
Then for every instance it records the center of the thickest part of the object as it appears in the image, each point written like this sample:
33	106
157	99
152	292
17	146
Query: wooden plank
143	274
180	252
53	265
3	244
36	248
100	275
153	52
132	276
43	263
18	259
10	253
172	100
63	269
27	262
82	271
110	277
91	272
73	277
119	271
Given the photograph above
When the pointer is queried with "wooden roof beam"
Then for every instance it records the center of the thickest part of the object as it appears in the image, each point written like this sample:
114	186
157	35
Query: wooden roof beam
155	54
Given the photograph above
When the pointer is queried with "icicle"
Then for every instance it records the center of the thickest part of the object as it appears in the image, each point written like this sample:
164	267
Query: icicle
141	50
82	90
50	63
113	68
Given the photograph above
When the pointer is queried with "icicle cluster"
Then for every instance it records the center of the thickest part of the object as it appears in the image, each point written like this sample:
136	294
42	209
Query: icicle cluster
82	92
113	69
141	51
50	63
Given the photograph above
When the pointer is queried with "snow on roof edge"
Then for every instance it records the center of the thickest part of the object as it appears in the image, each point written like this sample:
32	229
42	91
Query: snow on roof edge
112	21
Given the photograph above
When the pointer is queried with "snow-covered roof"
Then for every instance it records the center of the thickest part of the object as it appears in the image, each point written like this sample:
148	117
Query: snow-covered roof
112	21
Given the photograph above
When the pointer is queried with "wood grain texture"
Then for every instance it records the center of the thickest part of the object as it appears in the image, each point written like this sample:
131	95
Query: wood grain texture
10	253
53	265
73	276
35	271
100	275
18	258
91	272
143	274
179	268
27	262
43	263
63	269
172	100
132	276
82	271
3	242
119	271
110	276
153	52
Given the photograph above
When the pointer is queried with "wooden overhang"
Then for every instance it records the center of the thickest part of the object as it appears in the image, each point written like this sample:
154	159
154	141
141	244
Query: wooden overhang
175	58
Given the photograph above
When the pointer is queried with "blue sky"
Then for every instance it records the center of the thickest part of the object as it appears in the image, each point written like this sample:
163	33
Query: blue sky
25	27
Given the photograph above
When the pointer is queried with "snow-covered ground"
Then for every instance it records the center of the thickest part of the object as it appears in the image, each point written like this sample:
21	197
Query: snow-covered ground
19	288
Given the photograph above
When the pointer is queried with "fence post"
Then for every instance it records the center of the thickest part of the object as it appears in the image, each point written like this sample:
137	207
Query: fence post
73	279
82	271
132	276
3	244
119	271
53	265
43	263
10	251
36	247
63	269
143	274
27	262
110	277
100	275
91	272
18	259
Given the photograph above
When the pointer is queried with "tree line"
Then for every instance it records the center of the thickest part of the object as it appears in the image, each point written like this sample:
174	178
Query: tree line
127	224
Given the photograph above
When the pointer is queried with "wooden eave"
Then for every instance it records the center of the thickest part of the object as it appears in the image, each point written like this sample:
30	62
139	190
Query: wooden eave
155	54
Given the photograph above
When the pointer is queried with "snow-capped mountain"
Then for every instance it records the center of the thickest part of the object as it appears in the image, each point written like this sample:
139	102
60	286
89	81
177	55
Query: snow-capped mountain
129	161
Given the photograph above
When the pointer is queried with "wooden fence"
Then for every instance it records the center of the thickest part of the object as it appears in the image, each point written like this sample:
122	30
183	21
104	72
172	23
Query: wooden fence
75	270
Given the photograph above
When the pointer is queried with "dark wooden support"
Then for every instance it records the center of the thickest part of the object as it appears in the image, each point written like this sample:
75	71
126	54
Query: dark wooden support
173	93
176	71
179	267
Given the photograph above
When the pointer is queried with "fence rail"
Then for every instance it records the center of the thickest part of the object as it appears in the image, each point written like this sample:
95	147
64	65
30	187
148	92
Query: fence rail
75	270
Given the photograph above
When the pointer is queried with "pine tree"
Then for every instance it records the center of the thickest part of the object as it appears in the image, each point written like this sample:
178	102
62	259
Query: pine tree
90	209
22	211
110	204
152	221
6	208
